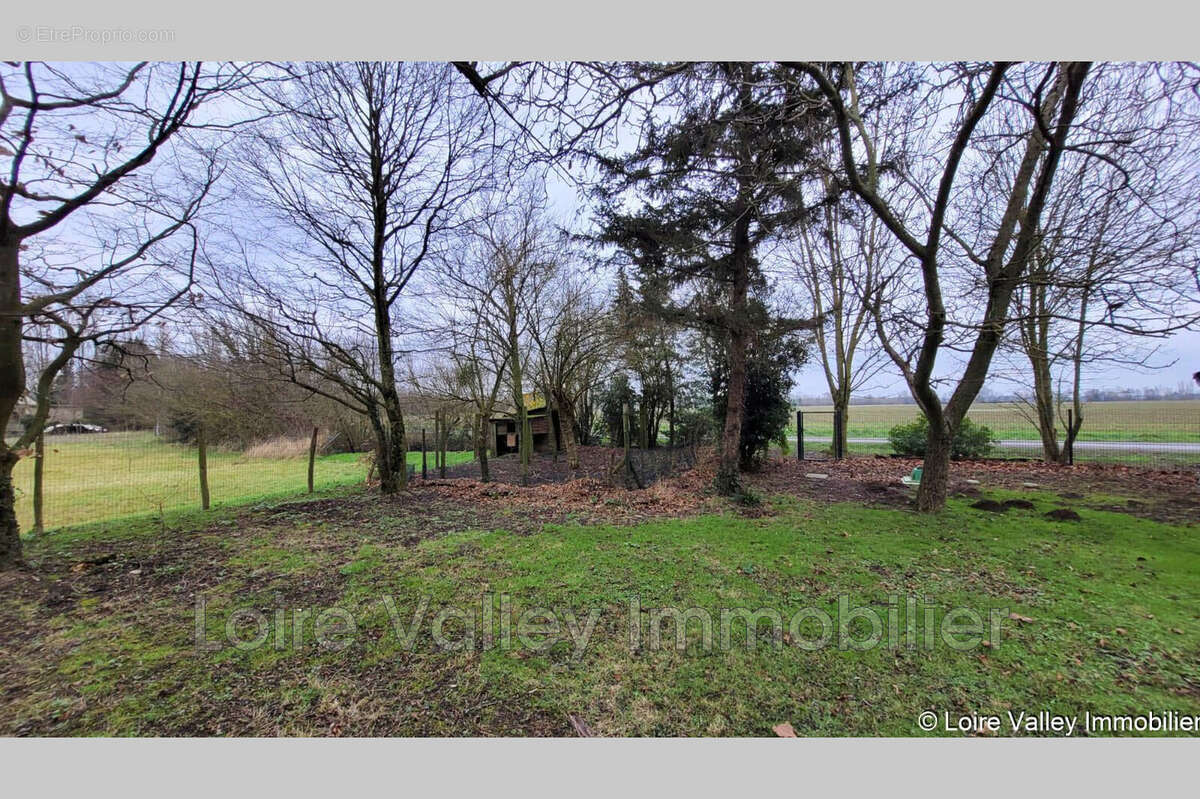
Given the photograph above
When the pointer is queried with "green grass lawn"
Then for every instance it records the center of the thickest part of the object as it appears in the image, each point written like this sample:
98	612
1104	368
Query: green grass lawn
109	475
1110	609
1152	420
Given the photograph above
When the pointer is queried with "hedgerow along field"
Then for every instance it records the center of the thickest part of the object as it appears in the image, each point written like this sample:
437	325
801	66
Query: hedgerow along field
1146	421
105	476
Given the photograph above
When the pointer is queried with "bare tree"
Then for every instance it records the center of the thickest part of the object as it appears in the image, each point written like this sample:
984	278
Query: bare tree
1030	112
93	243
574	345
480	360
364	172
843	259
1114	269
499	275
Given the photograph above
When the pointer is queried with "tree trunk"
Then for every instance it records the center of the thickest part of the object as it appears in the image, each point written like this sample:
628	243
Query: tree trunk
393	452
12	385
524	444
10	531
1044	406
398	453
727	482
1077	372
484	476
566	418
1035	338
383	454
935	471
841	407
477	435
735	410
555	437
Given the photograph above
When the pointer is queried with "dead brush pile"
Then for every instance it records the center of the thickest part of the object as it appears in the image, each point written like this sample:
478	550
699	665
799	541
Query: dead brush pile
587	499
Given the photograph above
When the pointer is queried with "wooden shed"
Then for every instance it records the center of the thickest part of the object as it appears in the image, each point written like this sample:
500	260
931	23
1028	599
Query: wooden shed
506	434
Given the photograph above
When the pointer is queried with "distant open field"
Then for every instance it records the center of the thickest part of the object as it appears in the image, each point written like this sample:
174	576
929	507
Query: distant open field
109	475
1161	420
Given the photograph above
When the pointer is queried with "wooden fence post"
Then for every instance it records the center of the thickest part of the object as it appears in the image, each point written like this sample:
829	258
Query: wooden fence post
424	462
312	458
39	458
202	451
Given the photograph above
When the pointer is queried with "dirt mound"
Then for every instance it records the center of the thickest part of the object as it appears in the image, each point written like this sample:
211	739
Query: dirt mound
1023	504
990	505
1063	515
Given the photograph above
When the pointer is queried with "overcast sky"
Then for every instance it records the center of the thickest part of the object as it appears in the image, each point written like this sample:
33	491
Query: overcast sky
1181	350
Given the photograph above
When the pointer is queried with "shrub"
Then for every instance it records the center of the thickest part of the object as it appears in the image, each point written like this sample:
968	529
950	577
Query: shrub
909	438
971	441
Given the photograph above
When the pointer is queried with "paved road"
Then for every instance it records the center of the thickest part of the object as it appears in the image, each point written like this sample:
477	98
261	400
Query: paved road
1176	447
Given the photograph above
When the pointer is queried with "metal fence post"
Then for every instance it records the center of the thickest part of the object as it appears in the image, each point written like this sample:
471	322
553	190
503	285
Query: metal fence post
799	435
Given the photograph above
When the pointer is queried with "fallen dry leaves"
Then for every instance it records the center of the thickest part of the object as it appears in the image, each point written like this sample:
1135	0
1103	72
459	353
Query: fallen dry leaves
784	730
586	498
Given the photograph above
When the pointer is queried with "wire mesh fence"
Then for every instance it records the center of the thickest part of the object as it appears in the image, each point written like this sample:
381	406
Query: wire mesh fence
651	465
106	475
1155	434
97	476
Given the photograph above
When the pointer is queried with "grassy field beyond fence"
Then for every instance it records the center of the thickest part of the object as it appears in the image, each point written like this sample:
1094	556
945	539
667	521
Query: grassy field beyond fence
94	477
1150	420
1150	433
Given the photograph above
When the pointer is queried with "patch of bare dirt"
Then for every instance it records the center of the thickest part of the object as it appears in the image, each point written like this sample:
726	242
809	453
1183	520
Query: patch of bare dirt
1168	496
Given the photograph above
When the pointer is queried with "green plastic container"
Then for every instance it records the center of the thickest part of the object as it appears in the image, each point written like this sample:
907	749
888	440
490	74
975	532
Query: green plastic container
916	475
